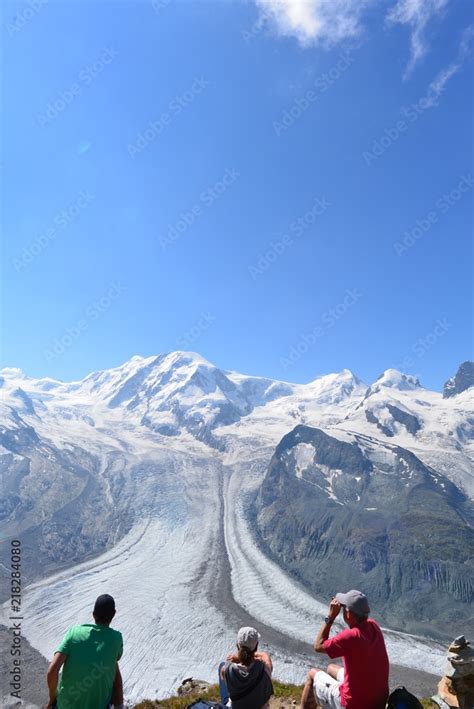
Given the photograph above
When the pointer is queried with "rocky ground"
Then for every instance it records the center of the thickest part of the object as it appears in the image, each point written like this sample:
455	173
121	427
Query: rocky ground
33	668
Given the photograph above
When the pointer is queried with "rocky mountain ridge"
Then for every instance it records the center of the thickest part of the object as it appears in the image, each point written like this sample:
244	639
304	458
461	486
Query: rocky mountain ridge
462	380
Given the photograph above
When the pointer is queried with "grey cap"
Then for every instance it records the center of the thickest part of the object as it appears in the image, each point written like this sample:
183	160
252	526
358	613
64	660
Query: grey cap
248	637
354	601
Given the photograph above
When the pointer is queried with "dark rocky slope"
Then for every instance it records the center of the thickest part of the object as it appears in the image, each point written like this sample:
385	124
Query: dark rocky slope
462	380
362	514
54	500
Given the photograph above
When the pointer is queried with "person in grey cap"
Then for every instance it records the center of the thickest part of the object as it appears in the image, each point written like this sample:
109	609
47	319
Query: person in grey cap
362	682
245	679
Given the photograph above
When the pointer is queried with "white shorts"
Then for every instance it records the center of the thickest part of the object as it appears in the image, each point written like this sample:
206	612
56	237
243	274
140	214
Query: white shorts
326	689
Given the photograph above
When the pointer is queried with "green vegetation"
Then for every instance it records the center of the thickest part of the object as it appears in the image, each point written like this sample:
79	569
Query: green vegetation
286	691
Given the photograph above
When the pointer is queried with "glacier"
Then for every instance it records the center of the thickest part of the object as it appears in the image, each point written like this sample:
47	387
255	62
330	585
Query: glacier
175	449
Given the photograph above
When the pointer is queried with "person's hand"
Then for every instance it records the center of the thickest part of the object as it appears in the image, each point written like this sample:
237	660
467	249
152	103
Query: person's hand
232	658
334	608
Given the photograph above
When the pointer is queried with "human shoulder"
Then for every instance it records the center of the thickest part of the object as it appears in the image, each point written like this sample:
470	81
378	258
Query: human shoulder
79	630
347	637
346	634
115	639
370	627
232	669
115	633
236	666
240	668
340	644
74	635
259	662
374	624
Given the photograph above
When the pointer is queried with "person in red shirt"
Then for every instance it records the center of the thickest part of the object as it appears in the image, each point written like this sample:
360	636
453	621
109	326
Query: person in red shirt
362	683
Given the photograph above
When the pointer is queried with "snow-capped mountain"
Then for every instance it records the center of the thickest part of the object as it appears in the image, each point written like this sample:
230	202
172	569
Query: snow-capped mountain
115	477
171	394
397	409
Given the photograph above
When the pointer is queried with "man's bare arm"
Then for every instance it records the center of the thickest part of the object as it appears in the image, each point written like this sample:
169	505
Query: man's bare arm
52	675
117	692
323	634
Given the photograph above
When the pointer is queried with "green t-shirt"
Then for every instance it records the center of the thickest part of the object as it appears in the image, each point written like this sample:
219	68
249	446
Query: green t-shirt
88	673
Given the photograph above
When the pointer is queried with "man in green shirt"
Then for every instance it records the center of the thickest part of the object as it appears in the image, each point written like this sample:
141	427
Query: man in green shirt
89	656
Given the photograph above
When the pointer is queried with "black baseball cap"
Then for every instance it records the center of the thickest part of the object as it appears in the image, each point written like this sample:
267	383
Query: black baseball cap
104	607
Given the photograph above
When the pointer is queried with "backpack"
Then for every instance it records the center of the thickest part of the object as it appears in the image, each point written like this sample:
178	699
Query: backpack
204	704
401	698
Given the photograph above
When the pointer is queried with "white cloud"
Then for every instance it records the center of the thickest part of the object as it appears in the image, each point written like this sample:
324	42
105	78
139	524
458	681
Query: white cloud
438	85
314	21
416	14
331	22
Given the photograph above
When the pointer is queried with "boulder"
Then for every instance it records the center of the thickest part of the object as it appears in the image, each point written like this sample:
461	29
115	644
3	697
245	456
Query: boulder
193	686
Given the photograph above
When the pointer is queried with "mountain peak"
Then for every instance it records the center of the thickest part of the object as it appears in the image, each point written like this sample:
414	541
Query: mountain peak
462	380
344	374
335	387
394	379
12	373
348	374
183	357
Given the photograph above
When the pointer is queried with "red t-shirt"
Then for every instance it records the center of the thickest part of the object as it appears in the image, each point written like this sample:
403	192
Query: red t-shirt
363	652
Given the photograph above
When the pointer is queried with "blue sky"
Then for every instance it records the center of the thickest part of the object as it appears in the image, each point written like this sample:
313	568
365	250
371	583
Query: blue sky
285	188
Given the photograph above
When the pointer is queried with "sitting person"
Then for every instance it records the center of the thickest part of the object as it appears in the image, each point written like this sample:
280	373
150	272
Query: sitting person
245	679
89	655
363	681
